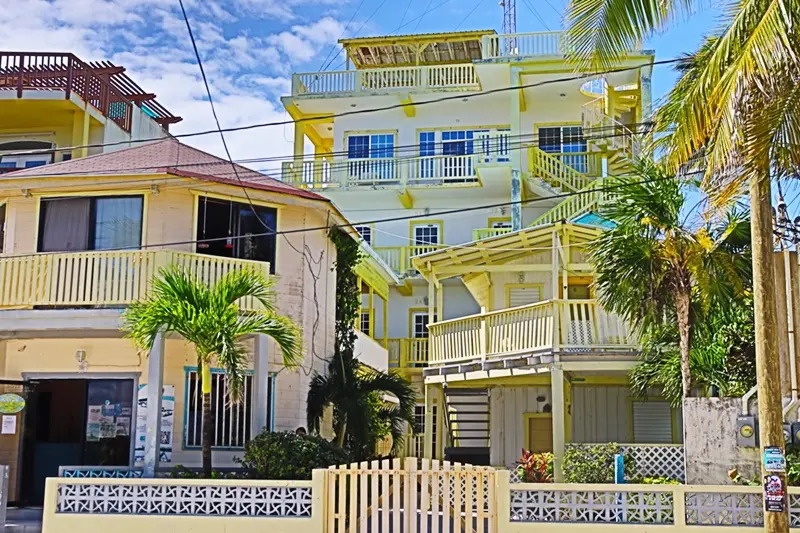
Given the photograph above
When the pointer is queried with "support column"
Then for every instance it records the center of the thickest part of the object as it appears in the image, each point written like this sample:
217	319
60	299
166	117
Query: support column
440	302
371	309
559	437
431	300
155	385
515	155
385	323
80	133
441	423
299	140
427	449
259	413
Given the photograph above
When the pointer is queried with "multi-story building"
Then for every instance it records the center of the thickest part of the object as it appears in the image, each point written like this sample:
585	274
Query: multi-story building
55	107
494	318
84	239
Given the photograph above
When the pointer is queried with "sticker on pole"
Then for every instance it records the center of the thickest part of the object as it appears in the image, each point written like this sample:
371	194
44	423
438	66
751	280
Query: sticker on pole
774	494
774	460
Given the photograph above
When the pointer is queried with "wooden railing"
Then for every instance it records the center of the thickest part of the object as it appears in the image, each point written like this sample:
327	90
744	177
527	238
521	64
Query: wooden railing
613	132
590	199
408	353
22	71
98	278
398	258
461	76
523	44
566	172
485	233
548	326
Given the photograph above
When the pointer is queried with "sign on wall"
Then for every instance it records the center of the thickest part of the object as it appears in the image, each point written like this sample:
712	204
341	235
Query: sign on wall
11	403
167	420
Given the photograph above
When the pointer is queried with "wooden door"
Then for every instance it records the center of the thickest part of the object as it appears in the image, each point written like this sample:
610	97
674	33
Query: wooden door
540	434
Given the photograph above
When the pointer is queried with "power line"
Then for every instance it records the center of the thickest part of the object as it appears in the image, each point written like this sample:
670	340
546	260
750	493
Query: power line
391	219
333	46
536	14
468	15
399	105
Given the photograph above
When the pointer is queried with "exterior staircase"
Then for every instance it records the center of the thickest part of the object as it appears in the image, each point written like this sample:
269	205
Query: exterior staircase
614	140
467	417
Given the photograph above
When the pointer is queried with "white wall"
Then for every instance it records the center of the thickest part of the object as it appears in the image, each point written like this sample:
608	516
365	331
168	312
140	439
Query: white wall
144	127
507	431
370	352
601	414
457	302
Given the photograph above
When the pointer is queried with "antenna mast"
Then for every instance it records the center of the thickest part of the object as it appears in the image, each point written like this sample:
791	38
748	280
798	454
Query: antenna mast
510	25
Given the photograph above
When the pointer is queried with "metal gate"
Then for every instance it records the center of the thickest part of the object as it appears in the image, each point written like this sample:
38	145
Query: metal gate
414	496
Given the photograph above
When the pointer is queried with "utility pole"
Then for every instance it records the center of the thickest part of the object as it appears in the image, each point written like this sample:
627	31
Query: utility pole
768	380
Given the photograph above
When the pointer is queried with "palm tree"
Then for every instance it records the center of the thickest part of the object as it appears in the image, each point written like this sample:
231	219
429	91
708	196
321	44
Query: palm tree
352	388
211	319
650	266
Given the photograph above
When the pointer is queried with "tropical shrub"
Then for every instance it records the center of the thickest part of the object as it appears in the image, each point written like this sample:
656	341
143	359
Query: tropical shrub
287	455
658	481
535	467
595	464
182	472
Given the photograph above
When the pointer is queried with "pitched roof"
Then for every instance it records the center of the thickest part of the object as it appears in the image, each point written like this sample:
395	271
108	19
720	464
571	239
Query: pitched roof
166	156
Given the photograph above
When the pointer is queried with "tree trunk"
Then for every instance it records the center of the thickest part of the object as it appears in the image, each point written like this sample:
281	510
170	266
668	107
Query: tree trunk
770	407
208	419
682	308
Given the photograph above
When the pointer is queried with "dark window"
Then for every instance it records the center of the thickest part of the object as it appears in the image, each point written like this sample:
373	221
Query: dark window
96	223
364	326
233	229
365	232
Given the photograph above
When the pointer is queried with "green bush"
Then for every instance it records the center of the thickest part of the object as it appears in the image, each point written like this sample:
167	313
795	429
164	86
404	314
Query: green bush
181	472
594	464
289	456
658	481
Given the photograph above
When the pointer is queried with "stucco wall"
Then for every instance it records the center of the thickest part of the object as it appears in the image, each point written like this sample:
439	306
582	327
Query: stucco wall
710	442
458	302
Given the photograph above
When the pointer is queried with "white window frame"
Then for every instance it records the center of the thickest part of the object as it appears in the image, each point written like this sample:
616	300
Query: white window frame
365	230
423	333
427	241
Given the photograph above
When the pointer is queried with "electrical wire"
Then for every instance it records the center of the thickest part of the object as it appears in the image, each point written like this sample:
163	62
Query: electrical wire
325	63
399	105
536	14
468	15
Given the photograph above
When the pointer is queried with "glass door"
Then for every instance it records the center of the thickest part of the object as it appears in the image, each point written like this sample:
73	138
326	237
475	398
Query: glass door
109	412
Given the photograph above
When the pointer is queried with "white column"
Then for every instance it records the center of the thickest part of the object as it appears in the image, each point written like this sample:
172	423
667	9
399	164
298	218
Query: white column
428	437
515	155
557	390
259	414
155	384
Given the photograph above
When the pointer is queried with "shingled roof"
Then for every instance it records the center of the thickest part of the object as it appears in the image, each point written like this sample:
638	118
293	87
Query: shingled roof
167	156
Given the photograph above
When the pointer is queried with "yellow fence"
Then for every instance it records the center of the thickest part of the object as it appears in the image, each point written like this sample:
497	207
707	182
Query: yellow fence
408	353
398	258
568	172
103	278
547	326
410	496
485	233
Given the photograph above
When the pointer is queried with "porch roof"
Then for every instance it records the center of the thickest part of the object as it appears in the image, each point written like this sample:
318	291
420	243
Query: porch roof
500	249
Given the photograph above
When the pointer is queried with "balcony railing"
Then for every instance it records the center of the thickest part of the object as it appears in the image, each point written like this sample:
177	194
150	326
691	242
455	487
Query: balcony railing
64	72
112	279
408	353
380	80
574	326
485	233
398	258
390	171
523	44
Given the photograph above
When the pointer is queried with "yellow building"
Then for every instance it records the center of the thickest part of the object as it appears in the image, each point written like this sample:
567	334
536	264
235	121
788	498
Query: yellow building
55	107
83	239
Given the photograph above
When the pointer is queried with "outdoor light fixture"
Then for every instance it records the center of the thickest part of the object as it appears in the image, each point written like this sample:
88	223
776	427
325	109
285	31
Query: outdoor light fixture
80	357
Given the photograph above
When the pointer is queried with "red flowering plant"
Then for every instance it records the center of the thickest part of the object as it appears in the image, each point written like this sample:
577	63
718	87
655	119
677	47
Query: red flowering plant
535	467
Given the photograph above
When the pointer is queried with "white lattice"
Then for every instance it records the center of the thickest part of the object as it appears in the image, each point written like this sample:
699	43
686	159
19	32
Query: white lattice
99	472
721	509
654	461
184	500
589	506
466	490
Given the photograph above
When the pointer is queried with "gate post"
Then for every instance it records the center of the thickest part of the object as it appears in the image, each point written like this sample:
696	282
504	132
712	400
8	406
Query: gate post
500	506
319	501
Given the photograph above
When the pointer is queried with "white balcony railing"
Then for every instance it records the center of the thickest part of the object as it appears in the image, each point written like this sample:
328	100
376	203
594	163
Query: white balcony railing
442	77
552	325
97	278
523	44
398	258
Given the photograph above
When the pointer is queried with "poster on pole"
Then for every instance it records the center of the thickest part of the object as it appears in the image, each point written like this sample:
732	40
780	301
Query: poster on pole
167	419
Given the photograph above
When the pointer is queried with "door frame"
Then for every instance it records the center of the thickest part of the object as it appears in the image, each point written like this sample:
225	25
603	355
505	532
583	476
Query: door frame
526	417
44	376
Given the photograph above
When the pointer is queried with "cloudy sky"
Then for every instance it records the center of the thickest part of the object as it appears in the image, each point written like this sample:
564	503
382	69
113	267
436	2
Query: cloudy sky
251	47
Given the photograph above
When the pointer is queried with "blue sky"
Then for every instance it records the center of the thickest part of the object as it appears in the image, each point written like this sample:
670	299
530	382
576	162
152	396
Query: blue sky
251	47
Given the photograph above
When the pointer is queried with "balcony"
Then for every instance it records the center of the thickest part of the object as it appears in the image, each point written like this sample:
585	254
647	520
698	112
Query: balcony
103	279
536	44
486	233
386	80
408	353
564	327
398	258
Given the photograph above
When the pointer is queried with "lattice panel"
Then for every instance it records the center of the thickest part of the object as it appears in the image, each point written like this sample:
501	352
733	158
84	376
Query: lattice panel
466	491
658	461
588	506
721	509
89	472
184	500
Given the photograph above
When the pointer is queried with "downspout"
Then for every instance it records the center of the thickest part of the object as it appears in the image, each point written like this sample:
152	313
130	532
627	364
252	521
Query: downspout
746	400
787	266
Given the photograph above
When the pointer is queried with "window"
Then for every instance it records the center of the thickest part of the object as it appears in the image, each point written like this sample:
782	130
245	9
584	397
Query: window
220	219
518	296
374	146
364	326
365	232
427	148
419	325
419	429
9	163
426	235
565	140
652	422
500	224
231	421
90	223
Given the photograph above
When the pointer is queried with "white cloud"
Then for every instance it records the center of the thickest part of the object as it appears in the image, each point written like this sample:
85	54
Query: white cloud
302	43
